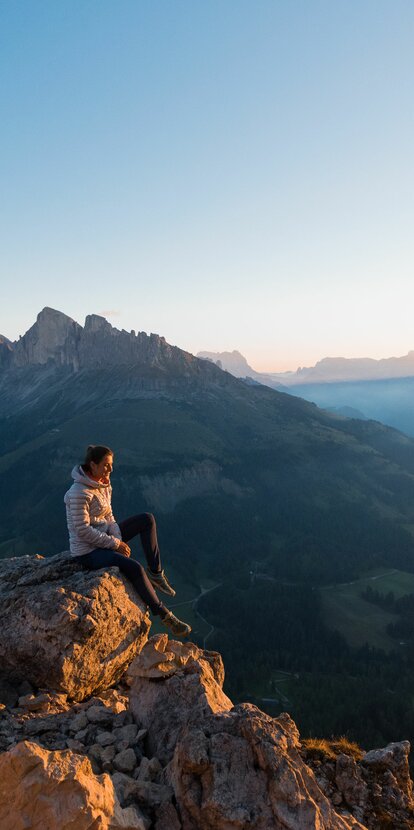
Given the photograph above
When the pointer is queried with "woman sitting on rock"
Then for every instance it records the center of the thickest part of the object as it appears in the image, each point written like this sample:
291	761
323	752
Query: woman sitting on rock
99	542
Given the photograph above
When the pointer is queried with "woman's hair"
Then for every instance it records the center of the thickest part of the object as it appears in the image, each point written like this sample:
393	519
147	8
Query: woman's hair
95	453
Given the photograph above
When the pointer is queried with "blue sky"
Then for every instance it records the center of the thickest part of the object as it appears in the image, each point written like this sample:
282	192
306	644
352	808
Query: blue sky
227	174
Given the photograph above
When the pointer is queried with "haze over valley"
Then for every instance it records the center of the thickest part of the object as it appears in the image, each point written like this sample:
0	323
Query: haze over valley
354	387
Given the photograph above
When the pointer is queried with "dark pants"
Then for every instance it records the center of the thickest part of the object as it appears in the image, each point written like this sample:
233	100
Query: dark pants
144	525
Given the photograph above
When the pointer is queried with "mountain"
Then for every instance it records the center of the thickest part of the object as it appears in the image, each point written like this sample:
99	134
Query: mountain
259	496
57	340
389	399
327	370
336	369
237	365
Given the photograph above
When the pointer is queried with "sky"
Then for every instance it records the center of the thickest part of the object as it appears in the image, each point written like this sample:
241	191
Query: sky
230	174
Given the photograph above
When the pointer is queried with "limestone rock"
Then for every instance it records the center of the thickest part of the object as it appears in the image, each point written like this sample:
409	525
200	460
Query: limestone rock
376	789
351	785
68	630
71	795
125	761
243	769
167	818
193	691
162	657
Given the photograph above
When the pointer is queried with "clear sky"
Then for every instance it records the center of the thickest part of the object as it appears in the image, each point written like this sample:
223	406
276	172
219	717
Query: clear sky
227	173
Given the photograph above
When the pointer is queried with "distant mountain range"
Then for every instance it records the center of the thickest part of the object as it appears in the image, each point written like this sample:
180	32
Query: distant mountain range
327	370
355	388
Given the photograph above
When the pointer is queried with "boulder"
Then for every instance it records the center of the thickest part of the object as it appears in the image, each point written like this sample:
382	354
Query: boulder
58	791
192	689
243	769
66	629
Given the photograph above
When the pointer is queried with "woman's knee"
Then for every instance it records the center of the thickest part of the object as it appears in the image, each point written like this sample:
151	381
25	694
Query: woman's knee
150	519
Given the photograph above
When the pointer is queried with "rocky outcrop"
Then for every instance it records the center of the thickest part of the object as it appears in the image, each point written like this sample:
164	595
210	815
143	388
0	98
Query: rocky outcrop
41	789
65	629
243	769
192	689
166	749
376	788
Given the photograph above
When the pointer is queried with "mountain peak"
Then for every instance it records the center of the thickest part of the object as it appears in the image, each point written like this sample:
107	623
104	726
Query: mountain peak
48	339
47	314
94	322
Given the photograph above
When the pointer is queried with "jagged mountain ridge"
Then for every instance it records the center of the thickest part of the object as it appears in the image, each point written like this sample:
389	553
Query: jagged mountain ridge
58	339
331	369
327	370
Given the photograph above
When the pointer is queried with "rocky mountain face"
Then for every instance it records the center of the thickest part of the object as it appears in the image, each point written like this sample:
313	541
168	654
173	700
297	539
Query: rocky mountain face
162	746
58	340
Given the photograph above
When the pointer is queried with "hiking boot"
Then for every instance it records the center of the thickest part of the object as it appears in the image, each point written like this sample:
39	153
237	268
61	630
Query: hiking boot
160	581
176	626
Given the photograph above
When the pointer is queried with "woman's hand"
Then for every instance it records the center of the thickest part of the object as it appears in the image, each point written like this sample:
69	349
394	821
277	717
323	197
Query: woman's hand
124	549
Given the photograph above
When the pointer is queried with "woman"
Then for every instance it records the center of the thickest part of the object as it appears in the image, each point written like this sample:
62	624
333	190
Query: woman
100	542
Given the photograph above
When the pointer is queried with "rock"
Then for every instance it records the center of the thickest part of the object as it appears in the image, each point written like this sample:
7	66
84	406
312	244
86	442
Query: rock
393	758
44	702
75	746
127	733
121	780
165	707
167	818
148	769
147	793
71	795
125	761
162	657
99	714
105	738
69	630
243	769
80	721
107	756
114	700
351	785
82	735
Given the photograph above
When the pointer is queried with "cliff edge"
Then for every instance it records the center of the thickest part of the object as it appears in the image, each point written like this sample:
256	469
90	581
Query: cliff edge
157	744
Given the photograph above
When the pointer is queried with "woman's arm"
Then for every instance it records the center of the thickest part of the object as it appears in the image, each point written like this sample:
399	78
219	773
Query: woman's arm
113	527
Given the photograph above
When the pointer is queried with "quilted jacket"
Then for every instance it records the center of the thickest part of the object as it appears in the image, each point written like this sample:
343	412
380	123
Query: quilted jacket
91	523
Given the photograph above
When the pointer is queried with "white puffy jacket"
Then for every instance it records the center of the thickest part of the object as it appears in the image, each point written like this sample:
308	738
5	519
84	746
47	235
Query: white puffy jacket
91	523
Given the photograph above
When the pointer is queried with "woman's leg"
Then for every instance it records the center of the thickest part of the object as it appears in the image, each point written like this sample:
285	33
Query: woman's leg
133	570
144	525
103	558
